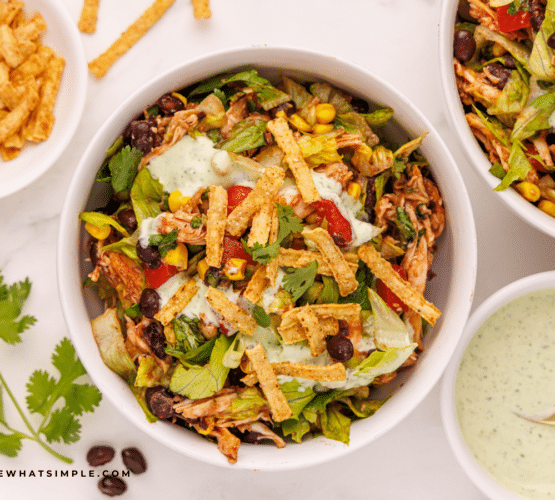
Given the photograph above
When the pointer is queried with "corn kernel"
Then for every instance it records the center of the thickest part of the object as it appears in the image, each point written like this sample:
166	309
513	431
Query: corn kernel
234	269
548	207
281	114
528	191
354	190
325	112
178	257
176	200
498	49
299	123
202	267
98	232
181	97
206	425
322	128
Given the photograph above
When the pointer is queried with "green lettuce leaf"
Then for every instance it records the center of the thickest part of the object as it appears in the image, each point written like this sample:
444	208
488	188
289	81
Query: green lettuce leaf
246	134
148	372
297	396
296	428
248	404
335	425
146	196
519	166
379	117
519	51
123	167
534	117
100	220
389	329
512	99
540	62
319	149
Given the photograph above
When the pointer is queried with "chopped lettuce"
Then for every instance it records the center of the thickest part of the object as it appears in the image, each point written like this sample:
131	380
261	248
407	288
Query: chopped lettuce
540	63
379	117
146	196
519	51
187	333
534	117
246	134
297	396
389	329
121	169
296	428
319	149
299	95
512	99
101	220
335	425
148	373
382	362
248	403
519	166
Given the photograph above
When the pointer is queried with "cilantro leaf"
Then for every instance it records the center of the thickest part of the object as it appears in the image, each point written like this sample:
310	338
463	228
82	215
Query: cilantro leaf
164	242
82	397
299	281
62	426
12	297
10	444
259	314
39	387
124	166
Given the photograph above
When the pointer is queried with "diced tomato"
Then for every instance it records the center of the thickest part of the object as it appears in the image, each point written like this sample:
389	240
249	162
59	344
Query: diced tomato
235	195
157	277
388	296
512	22
338	227
233	249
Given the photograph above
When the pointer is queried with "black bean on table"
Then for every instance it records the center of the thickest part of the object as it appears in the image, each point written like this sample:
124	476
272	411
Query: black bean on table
149	302
134	460
112	486
464	45
100	455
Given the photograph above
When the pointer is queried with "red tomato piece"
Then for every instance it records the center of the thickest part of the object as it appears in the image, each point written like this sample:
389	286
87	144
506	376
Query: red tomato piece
157	277
235	195
512	22
233	249
338	227
388	296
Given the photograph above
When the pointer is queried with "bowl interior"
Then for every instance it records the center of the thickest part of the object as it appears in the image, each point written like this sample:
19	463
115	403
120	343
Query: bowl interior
35	159
528	212
486	483
455	262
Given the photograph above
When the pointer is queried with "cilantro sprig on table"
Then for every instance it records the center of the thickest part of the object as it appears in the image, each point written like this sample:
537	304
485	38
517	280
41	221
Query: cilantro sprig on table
57	422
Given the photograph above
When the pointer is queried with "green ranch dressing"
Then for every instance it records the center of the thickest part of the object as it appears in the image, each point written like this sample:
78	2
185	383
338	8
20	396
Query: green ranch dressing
509	365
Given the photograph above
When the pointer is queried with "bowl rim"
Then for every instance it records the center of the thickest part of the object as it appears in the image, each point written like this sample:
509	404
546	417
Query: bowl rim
483	481
464	234
525	210
80	70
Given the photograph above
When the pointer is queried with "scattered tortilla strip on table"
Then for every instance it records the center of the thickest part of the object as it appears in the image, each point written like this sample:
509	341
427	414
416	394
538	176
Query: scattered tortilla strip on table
264	191
177	302
294	159
215	225
383	270
201	9
327	373
129	37
231	312
89	16
268	382
342	272
290	257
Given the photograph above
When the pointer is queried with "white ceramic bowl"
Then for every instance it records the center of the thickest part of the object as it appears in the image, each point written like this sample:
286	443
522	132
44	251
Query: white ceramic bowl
522	208
35	159
482	479
451	289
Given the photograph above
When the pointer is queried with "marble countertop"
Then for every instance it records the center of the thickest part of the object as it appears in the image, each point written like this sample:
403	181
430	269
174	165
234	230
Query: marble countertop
396	40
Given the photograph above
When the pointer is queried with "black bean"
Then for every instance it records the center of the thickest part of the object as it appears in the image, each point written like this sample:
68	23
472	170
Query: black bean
169	104
149	302
252	437
100	455
134	460
142	137
288	107
160	401
537	13
343	328
149	255
127	218
498	74
464	45
154	335
359	105
509	61
340	348
370	201
551	41
112	486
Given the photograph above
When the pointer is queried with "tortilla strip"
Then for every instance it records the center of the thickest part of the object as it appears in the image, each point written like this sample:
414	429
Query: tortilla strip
13	121
201	9
129	37
177	302
215	225
256	286
261	225
343	274
89	16
294	159
328	373
264	191
31	29
383	270
8	11
289	257
294	332
33	65
231	312
347	312
9	47
269	384
314	334
272	267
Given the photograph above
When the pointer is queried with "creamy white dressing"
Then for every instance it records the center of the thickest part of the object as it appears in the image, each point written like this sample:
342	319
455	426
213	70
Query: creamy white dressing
270	293
193	163
509	365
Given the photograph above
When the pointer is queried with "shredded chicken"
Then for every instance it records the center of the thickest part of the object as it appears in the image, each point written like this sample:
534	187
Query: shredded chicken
337	171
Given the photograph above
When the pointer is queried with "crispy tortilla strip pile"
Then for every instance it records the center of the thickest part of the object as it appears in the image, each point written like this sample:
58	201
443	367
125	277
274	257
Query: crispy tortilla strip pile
30	75
383	270
129	37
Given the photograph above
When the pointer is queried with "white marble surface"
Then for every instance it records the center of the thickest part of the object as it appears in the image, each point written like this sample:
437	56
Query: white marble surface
395	39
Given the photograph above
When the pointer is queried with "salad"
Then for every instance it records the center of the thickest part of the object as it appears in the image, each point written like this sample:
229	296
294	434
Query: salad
505	73
262	259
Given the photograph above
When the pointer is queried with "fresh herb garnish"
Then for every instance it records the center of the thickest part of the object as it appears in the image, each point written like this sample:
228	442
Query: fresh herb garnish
300	280
164	242
261	317
59	422
517	5
121	169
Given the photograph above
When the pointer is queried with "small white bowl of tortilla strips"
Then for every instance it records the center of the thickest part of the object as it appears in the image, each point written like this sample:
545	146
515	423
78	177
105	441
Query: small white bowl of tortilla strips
275	289
43	86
